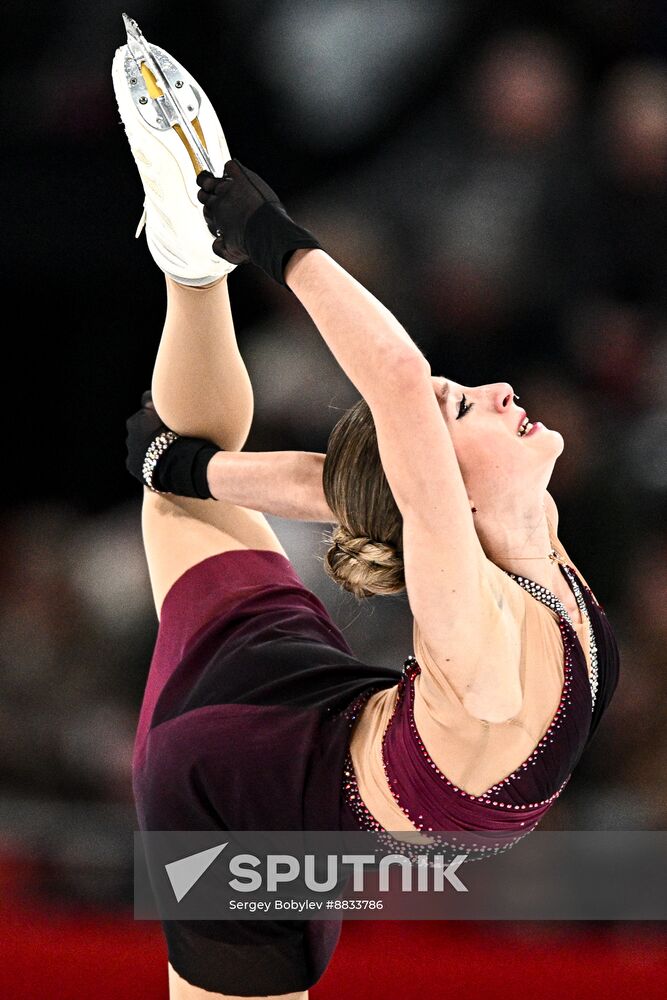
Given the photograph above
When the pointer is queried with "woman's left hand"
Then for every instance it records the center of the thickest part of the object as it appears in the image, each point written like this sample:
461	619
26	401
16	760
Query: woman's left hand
249	221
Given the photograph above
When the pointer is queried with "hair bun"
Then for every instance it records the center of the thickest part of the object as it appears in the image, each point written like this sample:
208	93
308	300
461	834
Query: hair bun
362	565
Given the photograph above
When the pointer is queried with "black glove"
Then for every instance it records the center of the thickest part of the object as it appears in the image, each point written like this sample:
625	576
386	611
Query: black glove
250	221
165	461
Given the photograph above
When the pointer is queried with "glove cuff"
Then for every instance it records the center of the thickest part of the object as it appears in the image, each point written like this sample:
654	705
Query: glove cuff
200	470
155	450
271	238
181	470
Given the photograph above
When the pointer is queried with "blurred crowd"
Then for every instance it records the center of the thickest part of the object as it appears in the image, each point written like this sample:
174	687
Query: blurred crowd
500	183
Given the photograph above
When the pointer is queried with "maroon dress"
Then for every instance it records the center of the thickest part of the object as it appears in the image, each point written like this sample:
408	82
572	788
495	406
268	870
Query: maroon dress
245	725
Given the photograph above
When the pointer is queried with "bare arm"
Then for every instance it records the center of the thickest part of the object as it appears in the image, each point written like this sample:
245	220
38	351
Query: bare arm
369	343
450	583
284	483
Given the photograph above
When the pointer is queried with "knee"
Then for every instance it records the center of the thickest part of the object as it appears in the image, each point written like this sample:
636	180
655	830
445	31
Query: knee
229	438
228	431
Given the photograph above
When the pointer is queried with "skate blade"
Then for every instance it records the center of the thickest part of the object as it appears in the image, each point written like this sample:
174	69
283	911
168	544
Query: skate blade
162	97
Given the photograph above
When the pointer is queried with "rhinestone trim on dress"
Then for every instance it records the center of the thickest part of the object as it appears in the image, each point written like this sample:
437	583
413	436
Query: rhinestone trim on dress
545	596
411	669
367	821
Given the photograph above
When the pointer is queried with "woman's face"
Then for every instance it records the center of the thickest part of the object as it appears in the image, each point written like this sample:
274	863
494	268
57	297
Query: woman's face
484	423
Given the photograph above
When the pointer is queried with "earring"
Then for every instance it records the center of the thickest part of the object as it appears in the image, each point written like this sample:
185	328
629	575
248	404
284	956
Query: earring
474	510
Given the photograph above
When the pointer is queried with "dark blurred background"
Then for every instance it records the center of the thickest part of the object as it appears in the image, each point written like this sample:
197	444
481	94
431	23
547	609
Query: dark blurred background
495	174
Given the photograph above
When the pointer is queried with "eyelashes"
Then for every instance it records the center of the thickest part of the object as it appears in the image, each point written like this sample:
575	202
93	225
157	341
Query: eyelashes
463	407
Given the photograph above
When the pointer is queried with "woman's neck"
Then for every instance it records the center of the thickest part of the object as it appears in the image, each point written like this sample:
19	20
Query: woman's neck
521	545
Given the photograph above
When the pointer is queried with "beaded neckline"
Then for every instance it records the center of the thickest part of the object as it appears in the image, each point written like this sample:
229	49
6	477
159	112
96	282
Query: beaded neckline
491	796
548	598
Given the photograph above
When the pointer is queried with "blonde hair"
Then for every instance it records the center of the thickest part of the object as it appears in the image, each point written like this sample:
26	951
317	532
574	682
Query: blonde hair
365	556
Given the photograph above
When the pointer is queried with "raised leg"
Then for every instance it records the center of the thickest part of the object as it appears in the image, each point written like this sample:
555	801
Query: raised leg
200	384
201	388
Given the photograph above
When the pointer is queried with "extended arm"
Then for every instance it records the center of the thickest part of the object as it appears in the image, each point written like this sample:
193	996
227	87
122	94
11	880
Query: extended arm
450	586
251	224
369	343
284	483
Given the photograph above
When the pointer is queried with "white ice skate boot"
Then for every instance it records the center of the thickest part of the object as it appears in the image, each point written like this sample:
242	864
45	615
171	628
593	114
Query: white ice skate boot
174	133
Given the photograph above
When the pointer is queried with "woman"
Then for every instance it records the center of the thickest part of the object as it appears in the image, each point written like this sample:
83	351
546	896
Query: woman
257	715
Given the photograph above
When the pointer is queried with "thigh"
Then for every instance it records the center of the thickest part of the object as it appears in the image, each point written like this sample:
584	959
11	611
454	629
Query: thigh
179	533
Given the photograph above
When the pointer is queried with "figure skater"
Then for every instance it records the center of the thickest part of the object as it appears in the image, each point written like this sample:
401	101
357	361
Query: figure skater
257	715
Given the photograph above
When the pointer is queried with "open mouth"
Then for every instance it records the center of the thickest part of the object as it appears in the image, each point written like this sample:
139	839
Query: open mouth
527	428
524	426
